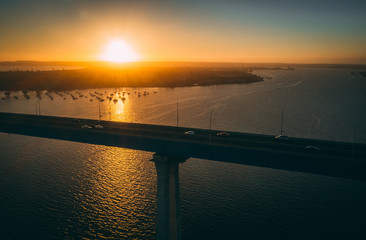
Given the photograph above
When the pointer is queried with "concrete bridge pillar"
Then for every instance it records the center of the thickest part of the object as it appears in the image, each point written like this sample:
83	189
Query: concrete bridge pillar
168	201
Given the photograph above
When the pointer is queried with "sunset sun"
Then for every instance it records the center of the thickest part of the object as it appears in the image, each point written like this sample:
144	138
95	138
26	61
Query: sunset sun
118	51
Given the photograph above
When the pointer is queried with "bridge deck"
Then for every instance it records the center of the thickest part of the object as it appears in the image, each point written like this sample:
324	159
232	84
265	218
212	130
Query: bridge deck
338	159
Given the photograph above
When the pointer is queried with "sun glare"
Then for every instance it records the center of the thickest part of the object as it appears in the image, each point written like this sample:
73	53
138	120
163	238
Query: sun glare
118	51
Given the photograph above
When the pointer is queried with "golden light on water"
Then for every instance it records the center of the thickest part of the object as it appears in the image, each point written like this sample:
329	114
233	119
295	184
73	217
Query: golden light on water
118	182
119	111
118	51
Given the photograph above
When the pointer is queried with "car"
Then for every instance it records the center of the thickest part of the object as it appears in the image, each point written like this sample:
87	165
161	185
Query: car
312	149
86	126
190	133
223	134
98	126
282	137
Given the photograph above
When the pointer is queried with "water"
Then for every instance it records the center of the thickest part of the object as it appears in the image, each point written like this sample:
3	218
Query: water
10	67
54	189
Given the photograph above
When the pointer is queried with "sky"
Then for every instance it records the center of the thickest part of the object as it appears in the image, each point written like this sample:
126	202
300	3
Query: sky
287	31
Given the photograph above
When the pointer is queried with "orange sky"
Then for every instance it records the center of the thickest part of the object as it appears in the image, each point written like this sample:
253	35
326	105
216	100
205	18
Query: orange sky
234	31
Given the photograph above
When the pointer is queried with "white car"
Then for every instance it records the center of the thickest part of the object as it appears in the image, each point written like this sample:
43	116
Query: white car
98	126
86	126
190	133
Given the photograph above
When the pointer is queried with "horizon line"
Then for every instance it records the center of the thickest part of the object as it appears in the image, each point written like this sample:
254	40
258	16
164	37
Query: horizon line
141	62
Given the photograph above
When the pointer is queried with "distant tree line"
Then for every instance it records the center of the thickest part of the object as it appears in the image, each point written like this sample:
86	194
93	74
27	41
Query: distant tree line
124	77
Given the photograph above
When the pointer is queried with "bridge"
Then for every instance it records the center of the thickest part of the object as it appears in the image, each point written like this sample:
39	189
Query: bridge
171	146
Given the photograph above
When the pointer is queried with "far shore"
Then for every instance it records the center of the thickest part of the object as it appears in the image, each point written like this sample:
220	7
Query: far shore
59	76
129	76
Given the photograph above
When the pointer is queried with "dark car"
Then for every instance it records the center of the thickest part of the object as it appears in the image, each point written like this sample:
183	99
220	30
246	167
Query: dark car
223	134
282	137
190	133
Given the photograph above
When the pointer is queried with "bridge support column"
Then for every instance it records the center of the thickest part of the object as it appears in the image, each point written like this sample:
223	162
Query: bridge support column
168	201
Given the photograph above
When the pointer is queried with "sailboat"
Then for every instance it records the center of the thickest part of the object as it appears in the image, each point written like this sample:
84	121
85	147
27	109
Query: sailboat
282	136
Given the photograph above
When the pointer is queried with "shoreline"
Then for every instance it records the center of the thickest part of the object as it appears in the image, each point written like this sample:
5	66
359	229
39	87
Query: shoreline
88	78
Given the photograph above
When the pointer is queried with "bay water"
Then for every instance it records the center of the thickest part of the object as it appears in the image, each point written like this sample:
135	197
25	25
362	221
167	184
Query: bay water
52	189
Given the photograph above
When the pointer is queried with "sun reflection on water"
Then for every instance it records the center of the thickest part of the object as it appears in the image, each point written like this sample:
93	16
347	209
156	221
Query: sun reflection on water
118	111
117	193
118	108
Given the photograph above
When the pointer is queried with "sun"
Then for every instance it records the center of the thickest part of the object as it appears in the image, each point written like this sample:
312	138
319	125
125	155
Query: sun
118	51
